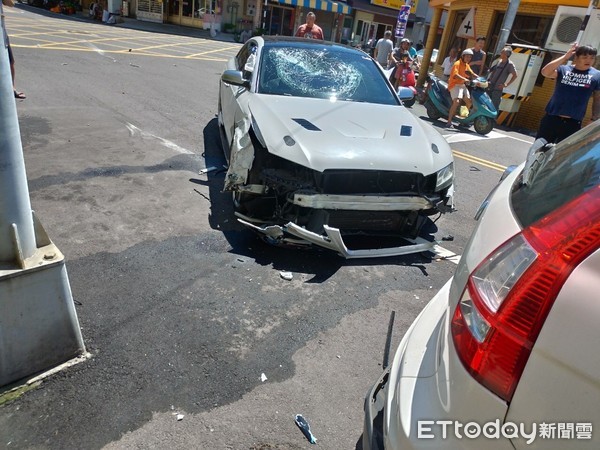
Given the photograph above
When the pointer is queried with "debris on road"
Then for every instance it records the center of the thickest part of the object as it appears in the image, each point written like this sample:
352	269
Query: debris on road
286	275
448	237
180	417
207	170
305	428
263	377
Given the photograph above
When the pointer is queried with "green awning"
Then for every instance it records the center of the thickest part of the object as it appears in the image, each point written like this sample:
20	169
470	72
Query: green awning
322	5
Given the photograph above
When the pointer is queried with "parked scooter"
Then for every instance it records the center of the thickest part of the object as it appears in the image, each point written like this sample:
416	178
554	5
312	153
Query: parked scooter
483	113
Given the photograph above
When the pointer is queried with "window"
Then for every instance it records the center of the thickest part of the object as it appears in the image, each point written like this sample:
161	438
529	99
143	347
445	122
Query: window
570	168
527	30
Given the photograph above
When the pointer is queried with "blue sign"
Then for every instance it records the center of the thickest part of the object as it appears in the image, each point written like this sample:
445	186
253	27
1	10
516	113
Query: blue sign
402	21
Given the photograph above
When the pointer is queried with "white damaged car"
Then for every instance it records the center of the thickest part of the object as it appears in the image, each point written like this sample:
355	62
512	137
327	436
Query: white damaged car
320	148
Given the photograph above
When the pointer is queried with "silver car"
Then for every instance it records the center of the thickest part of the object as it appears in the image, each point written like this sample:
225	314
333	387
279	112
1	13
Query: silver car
320	148
505	356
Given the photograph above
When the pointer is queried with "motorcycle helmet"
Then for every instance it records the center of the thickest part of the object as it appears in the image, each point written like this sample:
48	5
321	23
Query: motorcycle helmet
467	51
405	40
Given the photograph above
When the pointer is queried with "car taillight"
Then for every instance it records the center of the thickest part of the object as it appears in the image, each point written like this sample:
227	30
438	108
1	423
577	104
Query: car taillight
509	295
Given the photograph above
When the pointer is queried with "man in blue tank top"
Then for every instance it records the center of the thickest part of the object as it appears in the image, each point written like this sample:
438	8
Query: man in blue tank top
575	84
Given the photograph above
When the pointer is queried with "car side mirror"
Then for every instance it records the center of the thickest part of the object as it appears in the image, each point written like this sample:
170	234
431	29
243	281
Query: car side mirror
405	93
236	78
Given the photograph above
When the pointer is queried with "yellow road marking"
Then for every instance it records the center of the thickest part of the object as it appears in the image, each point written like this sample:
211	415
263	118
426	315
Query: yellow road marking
476	160
119	52
212	51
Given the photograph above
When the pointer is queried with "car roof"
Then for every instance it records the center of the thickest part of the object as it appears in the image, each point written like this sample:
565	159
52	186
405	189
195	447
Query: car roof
268	41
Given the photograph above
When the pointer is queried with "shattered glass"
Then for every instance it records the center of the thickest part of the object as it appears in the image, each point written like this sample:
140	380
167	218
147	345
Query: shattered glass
322	73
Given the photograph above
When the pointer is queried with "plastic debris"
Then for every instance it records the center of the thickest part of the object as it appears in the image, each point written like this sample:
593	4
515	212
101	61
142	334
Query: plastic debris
263	377
286	275
206	170
305	428
448	237
180	417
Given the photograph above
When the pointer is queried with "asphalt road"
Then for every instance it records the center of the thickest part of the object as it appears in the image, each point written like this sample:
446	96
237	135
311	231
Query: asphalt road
181	309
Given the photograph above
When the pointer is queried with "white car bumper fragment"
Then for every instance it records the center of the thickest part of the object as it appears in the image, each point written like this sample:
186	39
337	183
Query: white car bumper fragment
334	241
361	202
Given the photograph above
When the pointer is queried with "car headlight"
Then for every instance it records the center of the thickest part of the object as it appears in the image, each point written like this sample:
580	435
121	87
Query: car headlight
445	177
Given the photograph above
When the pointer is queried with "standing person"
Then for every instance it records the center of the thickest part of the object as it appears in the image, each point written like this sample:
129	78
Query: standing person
460	74
449	62
11	59
383	49
478	61
310	29
575	84
499	74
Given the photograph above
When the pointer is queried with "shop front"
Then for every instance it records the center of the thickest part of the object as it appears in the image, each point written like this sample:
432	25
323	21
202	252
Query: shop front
284	16
371	21
195	13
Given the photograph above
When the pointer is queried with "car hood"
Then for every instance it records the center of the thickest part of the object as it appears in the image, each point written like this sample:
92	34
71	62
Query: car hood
321	134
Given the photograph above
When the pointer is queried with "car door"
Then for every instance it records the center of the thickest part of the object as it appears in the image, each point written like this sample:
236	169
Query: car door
231	97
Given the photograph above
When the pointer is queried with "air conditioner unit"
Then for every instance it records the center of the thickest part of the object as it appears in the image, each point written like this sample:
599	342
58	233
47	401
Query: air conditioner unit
566	26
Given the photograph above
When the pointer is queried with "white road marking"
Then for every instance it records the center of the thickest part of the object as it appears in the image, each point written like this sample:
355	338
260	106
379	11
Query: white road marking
466	137
133	130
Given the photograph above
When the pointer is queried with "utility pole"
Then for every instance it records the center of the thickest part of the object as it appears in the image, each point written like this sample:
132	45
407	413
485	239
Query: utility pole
507	23
593	4
39	329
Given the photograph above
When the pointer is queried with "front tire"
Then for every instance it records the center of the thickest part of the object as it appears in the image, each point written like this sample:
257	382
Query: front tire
432	111
483	125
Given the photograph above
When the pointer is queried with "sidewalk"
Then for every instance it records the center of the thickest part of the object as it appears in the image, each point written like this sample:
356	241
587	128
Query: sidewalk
134	24
169	28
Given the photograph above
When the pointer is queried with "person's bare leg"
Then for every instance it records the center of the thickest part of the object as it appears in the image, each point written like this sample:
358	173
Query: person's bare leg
452	111
12	73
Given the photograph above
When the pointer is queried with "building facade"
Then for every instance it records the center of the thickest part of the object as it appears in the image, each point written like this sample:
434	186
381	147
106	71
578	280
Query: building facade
534	27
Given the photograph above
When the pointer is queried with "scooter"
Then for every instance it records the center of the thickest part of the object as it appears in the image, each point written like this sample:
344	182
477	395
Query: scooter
483	113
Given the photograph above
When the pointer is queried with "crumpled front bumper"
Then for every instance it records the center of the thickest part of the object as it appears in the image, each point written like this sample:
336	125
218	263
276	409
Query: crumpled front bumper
334	241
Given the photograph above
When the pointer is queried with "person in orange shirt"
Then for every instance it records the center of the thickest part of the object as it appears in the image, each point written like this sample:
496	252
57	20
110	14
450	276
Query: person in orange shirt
460	75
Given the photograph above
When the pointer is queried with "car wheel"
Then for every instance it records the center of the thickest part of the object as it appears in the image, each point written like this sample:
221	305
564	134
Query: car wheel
483	125
409	103
432	111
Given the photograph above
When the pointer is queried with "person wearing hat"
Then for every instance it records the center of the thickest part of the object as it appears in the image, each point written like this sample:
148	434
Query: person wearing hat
396	57
460	75
498	77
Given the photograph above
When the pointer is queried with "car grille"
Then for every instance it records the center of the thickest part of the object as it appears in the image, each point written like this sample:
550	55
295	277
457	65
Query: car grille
374	182
371	220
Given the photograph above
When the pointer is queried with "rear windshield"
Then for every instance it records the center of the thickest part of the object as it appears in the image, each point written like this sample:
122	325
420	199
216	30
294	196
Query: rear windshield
571	168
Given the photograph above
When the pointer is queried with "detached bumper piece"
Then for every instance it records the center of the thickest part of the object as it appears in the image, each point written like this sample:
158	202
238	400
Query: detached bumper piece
334	241
374	411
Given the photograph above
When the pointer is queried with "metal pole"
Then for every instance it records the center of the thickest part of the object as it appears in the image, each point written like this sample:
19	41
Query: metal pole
433	28
588	13
17	236
507	23
39	329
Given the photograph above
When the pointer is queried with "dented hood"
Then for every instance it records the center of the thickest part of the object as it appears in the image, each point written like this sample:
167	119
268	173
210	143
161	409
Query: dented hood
348	135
